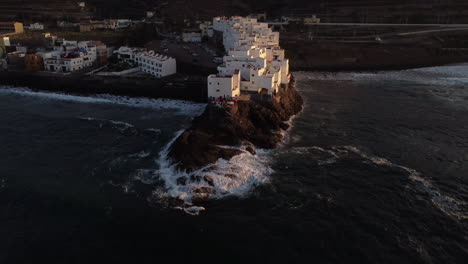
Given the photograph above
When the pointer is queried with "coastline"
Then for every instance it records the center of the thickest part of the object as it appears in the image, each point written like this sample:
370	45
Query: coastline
381	67
306	55
81	84
225	133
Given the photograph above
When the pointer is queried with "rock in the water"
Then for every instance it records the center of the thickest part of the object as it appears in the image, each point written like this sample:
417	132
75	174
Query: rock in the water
251	150
181	180
209	180
195	178
204	190
258	122
230	176
284	126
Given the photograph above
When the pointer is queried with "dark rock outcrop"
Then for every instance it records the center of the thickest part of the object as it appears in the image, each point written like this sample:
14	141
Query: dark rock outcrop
209	180
257	122
181	180
251	150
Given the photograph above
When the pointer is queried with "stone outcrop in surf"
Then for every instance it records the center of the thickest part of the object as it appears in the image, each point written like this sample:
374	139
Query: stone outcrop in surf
224	132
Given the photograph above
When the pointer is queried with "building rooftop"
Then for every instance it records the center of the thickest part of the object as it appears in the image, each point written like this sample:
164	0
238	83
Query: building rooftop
154	55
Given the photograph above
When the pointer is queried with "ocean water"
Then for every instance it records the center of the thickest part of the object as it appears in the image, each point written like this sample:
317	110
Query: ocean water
373	170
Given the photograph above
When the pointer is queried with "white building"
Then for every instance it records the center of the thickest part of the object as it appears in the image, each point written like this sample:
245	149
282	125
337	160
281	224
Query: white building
148	61
70	56
254	58
224	86
36	26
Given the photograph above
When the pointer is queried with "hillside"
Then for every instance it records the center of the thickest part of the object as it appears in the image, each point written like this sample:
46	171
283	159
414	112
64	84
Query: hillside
397	11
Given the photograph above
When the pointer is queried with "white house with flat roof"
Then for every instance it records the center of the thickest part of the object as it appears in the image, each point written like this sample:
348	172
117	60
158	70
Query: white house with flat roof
70	56
225	86
148	61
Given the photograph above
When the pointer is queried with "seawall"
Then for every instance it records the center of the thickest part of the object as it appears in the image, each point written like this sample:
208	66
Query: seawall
91	84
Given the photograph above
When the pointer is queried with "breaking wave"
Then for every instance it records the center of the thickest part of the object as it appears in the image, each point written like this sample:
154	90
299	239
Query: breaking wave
444	203
122	126
182	107
439	75
235	177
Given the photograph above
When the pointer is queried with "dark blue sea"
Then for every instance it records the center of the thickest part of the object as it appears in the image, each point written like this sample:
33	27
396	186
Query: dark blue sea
373	170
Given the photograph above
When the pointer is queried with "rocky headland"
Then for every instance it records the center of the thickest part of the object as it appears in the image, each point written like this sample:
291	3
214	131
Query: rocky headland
220	131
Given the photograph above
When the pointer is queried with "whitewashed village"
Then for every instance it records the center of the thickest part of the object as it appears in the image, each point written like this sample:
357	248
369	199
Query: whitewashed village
249	60
254	63
62	56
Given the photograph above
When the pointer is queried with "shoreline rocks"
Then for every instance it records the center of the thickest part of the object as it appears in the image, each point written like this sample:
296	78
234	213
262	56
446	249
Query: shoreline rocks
258	123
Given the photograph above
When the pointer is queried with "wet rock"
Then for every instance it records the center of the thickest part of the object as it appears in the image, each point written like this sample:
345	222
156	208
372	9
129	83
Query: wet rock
284	126
209	180
253	121
230	176
251	150
204	190
211	168
195	178
181	181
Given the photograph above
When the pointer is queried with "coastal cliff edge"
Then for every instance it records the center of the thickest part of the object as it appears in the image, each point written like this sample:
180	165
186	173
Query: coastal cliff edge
219	132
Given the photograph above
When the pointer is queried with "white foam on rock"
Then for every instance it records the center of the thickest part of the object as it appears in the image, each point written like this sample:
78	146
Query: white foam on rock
235	177
182	107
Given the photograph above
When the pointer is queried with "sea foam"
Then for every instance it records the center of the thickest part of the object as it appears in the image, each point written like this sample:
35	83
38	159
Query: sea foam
440	75
443	202
182	107
234	177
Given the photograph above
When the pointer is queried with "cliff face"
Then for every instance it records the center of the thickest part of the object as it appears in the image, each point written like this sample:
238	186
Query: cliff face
246	123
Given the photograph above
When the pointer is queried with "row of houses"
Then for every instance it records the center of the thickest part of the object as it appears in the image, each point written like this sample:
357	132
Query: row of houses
254	63
70	56
85	26
195	35
65	56
62	56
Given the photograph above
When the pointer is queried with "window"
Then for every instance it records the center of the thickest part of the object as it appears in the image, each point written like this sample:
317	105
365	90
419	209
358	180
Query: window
217	90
